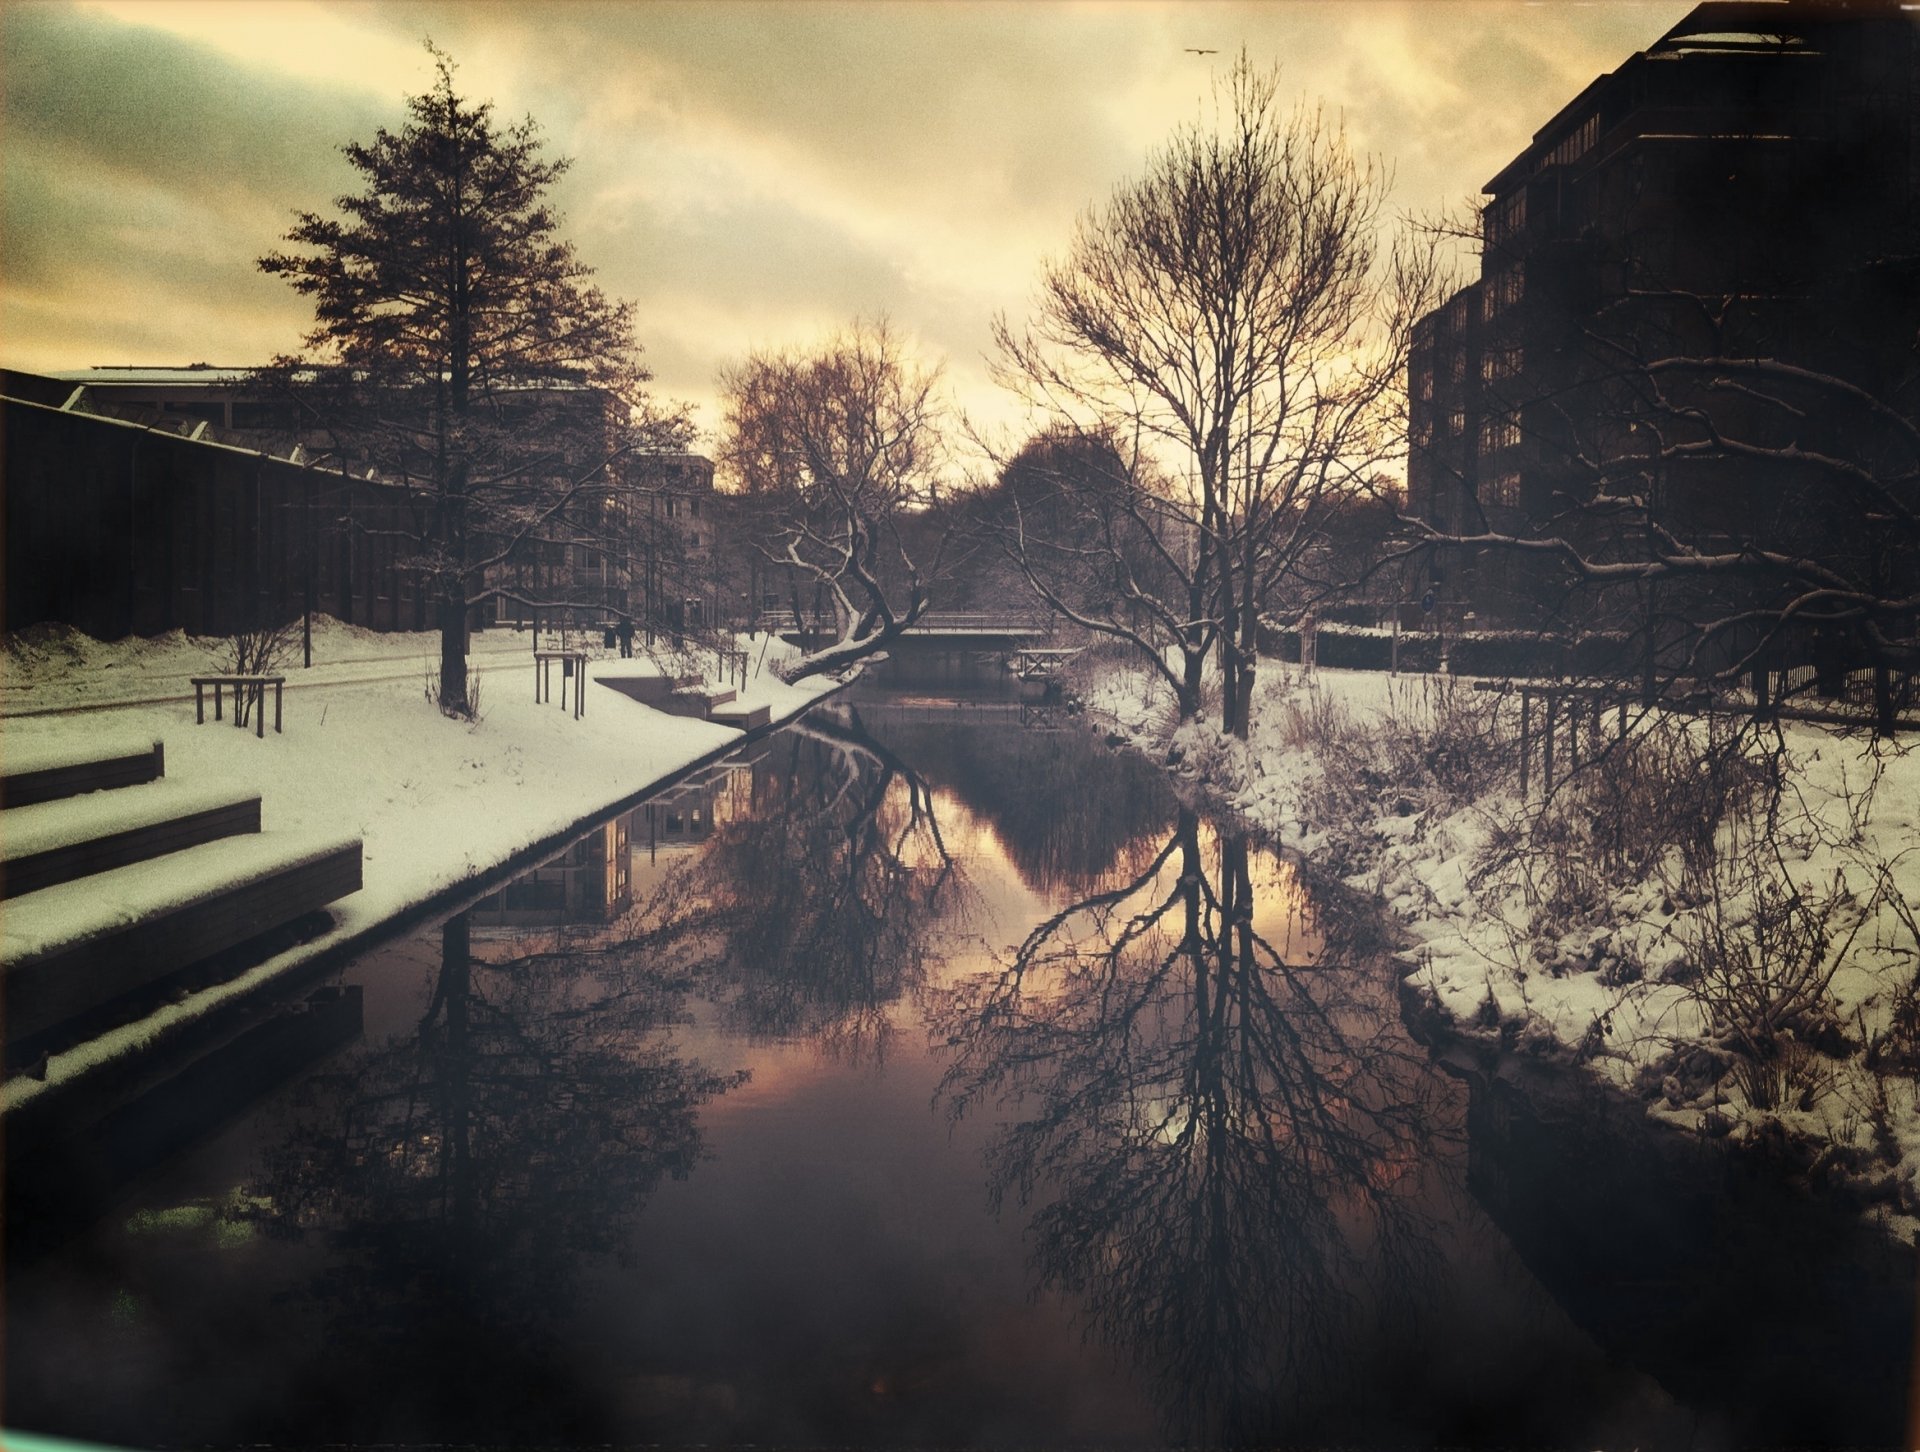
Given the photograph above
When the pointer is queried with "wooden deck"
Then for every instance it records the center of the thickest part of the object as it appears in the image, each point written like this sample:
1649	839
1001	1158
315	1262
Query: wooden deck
24	784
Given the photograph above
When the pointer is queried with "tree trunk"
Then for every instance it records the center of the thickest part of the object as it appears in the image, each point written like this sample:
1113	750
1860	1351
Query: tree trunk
1249	666
1195	665
452	610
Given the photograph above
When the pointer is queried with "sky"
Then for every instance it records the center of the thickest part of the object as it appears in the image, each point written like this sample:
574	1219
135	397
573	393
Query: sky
750	175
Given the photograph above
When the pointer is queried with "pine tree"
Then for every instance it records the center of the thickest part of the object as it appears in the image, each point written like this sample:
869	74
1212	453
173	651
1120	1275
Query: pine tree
461	351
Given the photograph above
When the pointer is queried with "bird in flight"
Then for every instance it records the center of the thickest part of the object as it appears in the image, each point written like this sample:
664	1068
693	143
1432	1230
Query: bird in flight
1195	50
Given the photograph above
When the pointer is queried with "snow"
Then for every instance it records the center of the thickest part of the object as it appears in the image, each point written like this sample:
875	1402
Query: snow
49	826
59	918
365	753
1516	935
24	757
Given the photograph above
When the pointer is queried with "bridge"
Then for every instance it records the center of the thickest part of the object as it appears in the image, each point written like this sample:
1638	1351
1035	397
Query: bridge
1003	631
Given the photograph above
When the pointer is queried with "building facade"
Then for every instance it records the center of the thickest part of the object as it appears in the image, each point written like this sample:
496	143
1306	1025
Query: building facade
1746	188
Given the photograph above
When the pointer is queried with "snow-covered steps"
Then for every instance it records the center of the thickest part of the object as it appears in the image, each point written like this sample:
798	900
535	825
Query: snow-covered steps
69	950
741	715
639	681
29	775
70	1154
676	695
53	842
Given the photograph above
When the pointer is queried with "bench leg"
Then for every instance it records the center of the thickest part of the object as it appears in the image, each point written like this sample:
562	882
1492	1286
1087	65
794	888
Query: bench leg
260	713
276	707
199	704
219	691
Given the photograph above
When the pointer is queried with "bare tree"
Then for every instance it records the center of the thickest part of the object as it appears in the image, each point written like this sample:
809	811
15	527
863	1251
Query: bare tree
833	448
1234	324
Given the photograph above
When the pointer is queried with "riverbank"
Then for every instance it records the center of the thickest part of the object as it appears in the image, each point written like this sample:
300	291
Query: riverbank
437	802
1720	925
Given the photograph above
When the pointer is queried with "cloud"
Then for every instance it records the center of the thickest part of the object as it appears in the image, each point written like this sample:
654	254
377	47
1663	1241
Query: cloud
750	174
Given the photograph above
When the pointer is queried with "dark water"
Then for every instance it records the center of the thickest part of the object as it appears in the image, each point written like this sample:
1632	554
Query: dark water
930	1077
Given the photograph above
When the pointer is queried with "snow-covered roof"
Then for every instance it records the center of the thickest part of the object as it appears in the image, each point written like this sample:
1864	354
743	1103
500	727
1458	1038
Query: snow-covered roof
203	375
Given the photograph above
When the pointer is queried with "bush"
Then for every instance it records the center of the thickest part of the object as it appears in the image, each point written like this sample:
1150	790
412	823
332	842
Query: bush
260	651
1763	954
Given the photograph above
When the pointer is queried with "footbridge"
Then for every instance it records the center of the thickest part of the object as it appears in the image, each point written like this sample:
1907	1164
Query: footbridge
1003	632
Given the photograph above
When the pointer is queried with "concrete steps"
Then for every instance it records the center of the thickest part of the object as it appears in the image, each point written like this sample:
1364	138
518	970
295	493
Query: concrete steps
53	842
746	718
114	890
30	775
682	696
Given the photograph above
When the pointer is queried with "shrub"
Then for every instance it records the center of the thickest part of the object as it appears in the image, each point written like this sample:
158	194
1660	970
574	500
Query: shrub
259	651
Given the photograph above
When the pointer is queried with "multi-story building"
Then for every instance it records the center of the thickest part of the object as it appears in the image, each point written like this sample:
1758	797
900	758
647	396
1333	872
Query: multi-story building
1748	186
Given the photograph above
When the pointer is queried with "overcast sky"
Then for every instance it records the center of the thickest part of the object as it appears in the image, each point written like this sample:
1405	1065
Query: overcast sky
749	175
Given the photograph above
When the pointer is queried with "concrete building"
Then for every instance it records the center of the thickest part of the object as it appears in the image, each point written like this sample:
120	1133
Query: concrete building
1749	185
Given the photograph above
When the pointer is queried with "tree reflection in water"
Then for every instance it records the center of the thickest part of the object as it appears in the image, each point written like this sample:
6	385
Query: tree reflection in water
1222	1143
827	894
462	1172
465	1174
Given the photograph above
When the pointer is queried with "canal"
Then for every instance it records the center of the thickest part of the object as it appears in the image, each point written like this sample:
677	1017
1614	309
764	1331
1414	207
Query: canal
929	1075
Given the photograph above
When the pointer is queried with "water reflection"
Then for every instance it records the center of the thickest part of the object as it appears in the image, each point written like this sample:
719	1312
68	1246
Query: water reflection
1216	1127
462	1175
1068	813
548	1204
827	893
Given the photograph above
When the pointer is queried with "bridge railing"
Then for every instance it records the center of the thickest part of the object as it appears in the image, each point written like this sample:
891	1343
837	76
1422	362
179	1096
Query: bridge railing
983	622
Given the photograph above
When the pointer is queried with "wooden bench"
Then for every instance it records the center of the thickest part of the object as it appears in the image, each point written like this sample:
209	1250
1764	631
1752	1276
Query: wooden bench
575	669
255	685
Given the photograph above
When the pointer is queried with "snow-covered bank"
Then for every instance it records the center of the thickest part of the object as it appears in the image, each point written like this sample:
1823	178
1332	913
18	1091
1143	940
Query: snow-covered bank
1720	924
365	753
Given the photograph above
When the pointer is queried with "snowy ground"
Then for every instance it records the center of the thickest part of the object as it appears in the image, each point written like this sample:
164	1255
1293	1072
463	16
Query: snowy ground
1755	978
365	753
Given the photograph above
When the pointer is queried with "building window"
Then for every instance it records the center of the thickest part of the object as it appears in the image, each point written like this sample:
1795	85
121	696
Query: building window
1502	491
1423	433
693	539
1457	422
1504	288
1501	362
1500	431
693	508
673	506
1576	143
1506	218
1457	366
1423	382
1457	313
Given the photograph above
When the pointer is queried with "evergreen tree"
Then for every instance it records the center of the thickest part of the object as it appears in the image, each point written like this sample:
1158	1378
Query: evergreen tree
461	351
